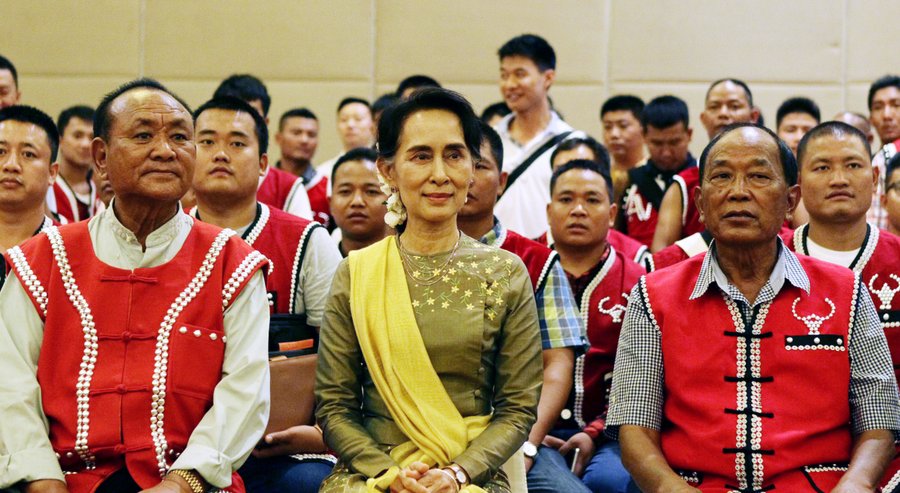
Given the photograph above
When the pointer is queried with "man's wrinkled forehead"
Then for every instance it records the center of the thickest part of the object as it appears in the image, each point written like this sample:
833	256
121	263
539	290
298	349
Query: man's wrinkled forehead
149	103
747	143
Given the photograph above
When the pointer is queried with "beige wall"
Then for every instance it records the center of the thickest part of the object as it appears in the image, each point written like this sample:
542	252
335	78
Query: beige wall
315	53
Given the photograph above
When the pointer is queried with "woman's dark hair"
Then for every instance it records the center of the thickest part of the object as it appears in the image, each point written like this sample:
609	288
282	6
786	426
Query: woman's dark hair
390	127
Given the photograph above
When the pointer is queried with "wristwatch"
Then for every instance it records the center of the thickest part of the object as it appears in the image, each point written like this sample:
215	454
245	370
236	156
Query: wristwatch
462	479
529	450
192	478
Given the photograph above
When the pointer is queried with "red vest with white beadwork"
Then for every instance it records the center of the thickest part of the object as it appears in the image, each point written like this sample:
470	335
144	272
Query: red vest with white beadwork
130	359
878	264
538	259
750	404
602	308
282	238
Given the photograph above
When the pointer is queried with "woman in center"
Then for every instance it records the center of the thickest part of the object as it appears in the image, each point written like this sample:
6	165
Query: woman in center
429	366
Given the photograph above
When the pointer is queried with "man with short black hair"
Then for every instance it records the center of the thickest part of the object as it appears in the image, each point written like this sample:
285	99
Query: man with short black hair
9	83
580	214
718	353
667	133
356	128
231	142
298	138
154	325
837	181
794	118
529	133
561	334
277	188
382	103
357	201
884	113
73	197
728	101
493	113
413	83
28	147
622	133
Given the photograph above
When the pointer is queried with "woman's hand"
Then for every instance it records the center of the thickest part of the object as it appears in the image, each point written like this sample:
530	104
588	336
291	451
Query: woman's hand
294	440
438	481
407	480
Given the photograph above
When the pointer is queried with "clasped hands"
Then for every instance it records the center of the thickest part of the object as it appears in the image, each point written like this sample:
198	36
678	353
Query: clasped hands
419	478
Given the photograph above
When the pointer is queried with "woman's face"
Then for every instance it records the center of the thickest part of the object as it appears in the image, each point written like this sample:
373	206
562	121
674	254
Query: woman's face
432	167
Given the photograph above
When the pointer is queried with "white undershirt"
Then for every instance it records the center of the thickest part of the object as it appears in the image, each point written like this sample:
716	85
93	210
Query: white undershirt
842	258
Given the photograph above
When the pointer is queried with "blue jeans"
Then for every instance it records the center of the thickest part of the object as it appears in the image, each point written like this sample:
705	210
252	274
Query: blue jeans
283	474
551	474
605	473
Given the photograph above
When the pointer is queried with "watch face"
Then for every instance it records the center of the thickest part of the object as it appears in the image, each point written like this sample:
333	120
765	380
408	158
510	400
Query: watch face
460	476
529	450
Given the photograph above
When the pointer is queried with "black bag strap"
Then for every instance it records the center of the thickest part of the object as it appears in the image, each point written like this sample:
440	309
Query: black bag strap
533	157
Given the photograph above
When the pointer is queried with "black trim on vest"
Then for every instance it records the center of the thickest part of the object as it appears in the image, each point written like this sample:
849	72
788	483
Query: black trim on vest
252	225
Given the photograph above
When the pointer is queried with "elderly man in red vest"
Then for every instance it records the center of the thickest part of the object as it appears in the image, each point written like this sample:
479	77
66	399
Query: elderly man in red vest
133	345
749	368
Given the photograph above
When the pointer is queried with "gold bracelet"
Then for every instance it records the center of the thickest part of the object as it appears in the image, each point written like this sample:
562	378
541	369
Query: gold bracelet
192	478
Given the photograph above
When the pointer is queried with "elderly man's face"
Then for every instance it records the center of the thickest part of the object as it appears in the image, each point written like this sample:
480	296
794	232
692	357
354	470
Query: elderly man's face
150	152
743	196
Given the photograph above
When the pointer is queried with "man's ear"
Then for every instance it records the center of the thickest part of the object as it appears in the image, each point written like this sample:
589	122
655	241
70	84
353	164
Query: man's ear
504	177
793	197
263	164
697	203
98	153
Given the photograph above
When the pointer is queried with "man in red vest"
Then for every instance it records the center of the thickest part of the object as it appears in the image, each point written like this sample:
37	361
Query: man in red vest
561	334
298	138
73	196
667	133
749	368
231	143
580	213
28	147
277	188
132	346
837	182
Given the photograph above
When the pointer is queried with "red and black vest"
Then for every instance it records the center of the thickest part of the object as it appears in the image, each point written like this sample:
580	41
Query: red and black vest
538	259
602	307
878	264
760	403
282	238
643	196
687	181
136	354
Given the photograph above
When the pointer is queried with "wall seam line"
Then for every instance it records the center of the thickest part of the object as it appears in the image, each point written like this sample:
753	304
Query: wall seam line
142	36
844	55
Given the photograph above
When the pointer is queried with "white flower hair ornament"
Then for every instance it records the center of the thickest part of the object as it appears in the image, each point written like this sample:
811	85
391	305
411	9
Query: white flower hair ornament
396	212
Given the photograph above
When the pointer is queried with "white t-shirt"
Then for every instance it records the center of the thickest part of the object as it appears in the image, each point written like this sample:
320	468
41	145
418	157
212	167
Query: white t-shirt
844	259
523	206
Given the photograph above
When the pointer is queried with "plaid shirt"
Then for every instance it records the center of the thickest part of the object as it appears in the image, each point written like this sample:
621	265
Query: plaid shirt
637	394
557	312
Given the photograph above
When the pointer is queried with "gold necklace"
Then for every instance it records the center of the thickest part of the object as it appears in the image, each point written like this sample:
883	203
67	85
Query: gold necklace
413	267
